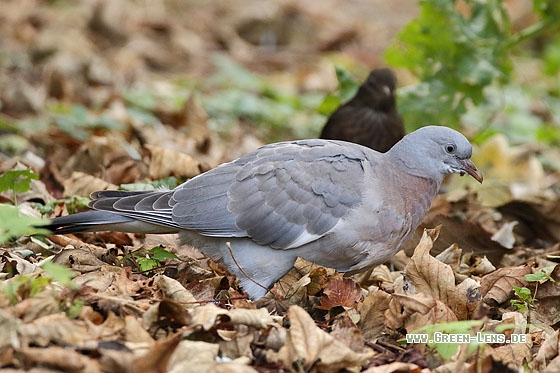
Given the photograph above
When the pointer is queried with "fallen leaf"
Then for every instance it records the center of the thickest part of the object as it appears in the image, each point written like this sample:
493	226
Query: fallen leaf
372	313
60	358
196	356
415	311
496	286
395	367
548	352
209	315
174	290
167	162
313	347
82	184
504	236
340	292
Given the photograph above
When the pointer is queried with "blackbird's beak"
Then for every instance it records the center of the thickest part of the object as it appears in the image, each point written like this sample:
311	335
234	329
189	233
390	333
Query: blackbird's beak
471	169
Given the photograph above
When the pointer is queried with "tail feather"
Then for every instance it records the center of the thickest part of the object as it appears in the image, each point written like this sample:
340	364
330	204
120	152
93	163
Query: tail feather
88	221
95	221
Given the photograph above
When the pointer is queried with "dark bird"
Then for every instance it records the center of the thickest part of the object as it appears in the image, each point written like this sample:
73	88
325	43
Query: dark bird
338	204
370	118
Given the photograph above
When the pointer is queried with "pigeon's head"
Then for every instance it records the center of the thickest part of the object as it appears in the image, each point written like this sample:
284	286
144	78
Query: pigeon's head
436	151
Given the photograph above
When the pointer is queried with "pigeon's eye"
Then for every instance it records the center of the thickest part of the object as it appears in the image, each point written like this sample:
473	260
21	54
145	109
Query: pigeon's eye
450	148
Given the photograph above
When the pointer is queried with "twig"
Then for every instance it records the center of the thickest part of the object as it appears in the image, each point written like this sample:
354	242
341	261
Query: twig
241	269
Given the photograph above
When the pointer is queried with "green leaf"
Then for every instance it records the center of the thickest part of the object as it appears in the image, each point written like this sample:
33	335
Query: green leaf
16	225
521	306
73	204
538	276
60	274
168	183
524	294
17	180
147	264
455	56
160	254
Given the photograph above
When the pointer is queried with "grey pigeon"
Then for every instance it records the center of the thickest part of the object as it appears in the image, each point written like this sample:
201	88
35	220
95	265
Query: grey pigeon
334	203
370	118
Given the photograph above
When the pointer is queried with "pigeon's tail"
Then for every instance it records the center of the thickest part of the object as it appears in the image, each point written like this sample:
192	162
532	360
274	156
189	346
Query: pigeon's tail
95	221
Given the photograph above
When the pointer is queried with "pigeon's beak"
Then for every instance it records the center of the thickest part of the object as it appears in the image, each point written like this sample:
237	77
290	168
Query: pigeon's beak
471	169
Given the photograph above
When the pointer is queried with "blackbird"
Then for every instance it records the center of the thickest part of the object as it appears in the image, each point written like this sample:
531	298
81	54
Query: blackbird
370	118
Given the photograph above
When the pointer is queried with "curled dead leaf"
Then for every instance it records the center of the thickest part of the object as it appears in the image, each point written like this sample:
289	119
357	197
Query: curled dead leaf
82	184
372	313
60	358
548	352
210	315
427	274
415	311
167	162
496	286
313	347
504	236
174	290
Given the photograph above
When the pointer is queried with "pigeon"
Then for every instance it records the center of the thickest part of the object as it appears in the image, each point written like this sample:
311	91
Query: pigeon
370	118
334	203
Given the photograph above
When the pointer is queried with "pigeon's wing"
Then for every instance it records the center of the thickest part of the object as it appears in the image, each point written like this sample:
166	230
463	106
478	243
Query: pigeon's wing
283	195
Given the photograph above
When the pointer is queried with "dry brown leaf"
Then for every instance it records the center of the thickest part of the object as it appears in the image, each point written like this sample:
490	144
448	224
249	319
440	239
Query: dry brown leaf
196	120
134	332
210	315
79	260
427	274
236	343
195	357
157	358
174	290
474	264
514	354
465	299
451	256
57	329
548	296
345	330
415	311
313	347
82	184
372	313
468	235
43	304
306	278
167	162
496	286
9	326
340	292
504	236
171	313
18	264
60	358
548	352
396	367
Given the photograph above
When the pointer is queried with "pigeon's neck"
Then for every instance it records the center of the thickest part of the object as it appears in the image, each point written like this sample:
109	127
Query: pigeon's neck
417	166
